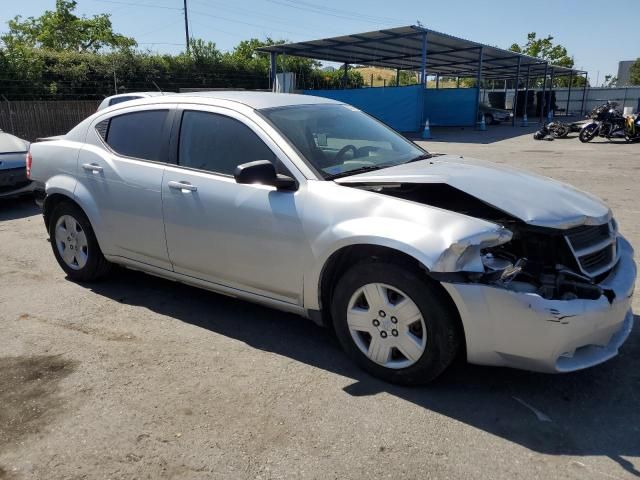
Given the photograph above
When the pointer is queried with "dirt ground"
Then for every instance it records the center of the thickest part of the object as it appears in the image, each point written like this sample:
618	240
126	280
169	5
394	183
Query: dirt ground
138	377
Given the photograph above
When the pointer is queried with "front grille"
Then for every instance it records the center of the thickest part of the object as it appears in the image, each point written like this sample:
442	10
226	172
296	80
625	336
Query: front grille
594	248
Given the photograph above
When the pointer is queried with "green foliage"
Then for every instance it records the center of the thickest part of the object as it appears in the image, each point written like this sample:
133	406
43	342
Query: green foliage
545	49
325	79
406	78
634	73
61	30
61	55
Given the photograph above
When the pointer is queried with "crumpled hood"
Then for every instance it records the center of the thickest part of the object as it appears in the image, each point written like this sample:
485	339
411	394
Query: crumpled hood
534	199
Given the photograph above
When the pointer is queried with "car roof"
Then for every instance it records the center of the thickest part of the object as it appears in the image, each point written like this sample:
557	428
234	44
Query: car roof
255	100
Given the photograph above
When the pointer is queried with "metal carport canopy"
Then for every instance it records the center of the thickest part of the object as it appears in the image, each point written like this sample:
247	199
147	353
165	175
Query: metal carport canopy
402	48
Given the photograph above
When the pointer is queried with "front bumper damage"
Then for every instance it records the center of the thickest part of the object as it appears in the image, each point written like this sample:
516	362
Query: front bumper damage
504	327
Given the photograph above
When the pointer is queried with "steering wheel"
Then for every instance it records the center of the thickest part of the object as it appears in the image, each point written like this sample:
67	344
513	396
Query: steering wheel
364	151
344	150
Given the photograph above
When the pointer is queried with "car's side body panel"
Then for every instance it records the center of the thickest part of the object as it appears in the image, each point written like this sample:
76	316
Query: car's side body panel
337	216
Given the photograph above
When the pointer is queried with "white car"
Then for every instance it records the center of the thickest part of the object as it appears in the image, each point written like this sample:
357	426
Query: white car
126	97
309	205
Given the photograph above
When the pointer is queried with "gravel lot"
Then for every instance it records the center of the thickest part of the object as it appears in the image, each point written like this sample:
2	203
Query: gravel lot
138	377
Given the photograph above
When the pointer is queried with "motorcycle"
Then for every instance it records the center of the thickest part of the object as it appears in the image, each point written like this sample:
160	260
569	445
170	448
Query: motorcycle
607	121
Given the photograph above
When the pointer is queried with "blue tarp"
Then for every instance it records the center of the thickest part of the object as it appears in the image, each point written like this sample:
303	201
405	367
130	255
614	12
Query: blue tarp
405	108
398	107
451	107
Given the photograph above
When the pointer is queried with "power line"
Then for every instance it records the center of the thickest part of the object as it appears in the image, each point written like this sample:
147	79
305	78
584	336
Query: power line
244	23
246	12
336	13
133	4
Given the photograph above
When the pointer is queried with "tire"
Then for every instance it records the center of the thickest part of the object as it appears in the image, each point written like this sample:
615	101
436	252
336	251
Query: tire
412	350
74	244
488	119
588	132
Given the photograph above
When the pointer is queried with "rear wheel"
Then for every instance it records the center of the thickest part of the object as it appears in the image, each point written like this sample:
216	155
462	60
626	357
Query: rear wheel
394	323
74	244
488	118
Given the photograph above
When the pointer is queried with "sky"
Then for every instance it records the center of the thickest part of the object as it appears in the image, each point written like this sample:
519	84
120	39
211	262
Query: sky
587	28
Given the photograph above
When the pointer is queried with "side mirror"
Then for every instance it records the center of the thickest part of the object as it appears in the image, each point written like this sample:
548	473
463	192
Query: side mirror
263	172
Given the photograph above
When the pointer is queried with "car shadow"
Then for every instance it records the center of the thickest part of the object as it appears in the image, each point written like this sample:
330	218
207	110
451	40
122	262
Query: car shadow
492	134
590	413
20	207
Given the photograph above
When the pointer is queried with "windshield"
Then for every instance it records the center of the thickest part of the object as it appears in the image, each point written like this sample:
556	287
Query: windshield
339	140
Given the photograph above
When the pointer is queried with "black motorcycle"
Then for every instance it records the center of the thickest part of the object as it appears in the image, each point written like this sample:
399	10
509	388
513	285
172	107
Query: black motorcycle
607	121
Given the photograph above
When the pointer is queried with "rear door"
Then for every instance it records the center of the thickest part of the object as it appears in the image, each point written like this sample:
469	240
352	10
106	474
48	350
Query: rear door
122	171
247	237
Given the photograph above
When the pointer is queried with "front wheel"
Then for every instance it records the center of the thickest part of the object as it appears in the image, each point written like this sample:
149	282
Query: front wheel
394	323
588	132
74	244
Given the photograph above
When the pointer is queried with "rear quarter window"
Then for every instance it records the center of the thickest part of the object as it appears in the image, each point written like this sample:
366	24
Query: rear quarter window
136	134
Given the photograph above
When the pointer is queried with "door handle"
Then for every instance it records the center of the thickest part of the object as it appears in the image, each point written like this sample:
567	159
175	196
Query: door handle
92	167
182	186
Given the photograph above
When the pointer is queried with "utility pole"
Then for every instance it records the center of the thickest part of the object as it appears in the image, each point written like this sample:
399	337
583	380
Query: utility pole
186	26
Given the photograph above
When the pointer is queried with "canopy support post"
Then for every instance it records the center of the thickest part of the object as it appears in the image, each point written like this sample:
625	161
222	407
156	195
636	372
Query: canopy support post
272	71
566	110
584	93
550	91
543	97
526	96
423	62
345	76
478	80
515	94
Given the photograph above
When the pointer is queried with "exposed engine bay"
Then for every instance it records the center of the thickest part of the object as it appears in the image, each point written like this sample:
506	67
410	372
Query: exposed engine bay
557	264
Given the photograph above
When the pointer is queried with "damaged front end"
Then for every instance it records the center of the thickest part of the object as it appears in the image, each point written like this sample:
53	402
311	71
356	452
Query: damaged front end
555	264
546	298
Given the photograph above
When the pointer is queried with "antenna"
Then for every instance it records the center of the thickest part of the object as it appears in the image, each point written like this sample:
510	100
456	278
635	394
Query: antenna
157	87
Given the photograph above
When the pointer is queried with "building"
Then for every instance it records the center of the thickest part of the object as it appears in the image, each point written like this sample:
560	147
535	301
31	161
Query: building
623	73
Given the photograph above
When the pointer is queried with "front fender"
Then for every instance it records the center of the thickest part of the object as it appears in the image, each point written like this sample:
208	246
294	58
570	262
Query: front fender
440	250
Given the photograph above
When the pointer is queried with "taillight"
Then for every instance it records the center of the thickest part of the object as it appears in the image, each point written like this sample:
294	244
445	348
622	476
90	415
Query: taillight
29	161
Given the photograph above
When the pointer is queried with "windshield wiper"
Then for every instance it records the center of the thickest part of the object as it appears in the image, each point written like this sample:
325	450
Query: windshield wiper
365	168
424	156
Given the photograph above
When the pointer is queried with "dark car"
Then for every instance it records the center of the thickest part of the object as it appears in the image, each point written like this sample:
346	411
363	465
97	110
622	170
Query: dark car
13	172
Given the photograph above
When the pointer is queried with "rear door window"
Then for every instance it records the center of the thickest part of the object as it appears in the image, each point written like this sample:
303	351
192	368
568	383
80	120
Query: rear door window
139	134
217	143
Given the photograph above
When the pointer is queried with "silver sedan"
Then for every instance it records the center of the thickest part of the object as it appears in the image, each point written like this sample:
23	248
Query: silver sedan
311	206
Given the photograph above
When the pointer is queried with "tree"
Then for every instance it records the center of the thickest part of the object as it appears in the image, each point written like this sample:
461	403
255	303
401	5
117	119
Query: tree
610	81
62	30
544	49
634	73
